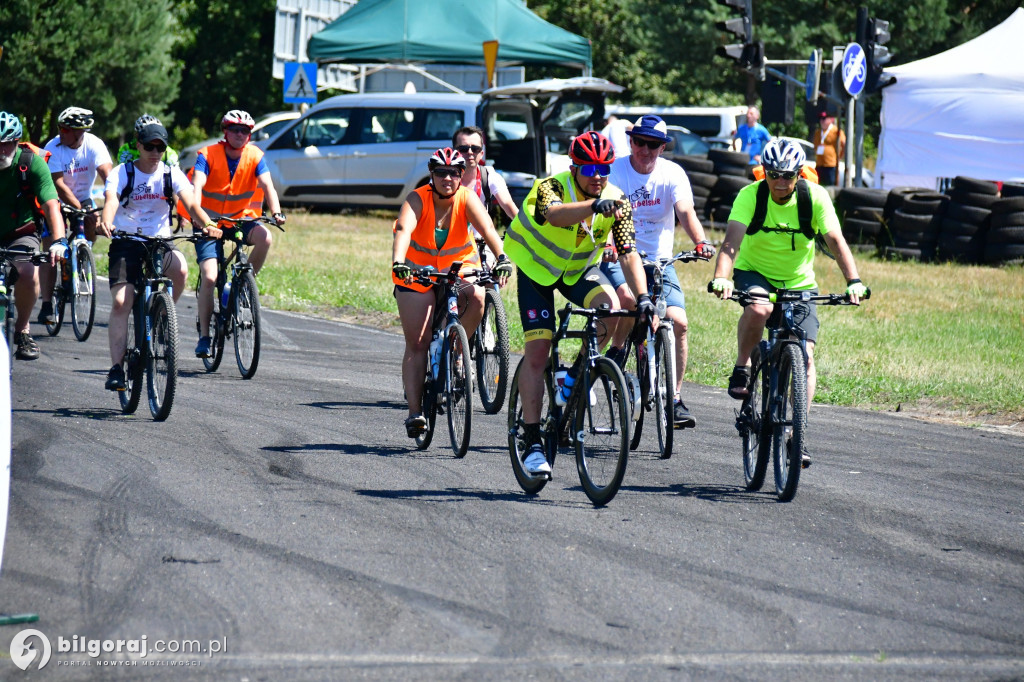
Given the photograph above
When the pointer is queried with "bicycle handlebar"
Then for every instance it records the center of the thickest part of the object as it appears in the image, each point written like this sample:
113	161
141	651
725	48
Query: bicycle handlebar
71	210
791	296
682	256
238	222
36	257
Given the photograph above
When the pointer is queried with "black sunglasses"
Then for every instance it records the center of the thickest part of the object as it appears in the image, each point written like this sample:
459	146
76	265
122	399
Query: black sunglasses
464	148
650	144
447	173
149	147
241	130
781	175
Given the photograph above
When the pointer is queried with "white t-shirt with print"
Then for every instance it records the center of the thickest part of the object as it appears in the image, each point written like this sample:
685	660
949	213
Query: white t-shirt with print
653	197
78	165
495	184
147	207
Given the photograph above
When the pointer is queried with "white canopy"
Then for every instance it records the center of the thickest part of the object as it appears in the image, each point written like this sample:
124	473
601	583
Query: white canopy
957	113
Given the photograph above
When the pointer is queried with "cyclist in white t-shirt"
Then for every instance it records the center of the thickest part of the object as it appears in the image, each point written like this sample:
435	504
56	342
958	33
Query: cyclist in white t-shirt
146	209
659	193
76	156
484	181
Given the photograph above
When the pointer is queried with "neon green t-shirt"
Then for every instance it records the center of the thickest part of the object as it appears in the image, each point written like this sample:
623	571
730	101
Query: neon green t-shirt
786	259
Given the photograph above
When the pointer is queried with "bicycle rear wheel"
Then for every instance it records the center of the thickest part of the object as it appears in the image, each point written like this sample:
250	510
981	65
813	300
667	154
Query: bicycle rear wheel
162	372
83	303
246	314
428	407
459	395
9	333
57	299
753	426
132	364
517	445
601	431
491	344
664	390
790	420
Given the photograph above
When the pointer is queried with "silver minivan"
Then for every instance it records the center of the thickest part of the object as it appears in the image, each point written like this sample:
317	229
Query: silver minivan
371	149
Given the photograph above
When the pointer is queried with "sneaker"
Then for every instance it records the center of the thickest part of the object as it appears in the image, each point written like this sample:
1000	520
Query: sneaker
115	379
27	348
415	425
616	355
46	313
536	463
738	383
203	347
682	417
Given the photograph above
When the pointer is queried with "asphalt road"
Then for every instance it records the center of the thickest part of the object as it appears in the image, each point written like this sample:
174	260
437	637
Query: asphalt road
289	519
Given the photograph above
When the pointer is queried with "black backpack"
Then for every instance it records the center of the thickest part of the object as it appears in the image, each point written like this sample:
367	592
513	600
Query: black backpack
804	210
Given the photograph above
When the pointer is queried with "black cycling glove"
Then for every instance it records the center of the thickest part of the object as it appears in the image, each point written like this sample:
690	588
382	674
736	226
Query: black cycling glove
401	270
645	307
503	268
604	205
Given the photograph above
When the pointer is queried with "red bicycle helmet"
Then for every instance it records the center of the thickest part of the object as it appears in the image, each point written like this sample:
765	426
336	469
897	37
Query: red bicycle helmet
446	156
591	147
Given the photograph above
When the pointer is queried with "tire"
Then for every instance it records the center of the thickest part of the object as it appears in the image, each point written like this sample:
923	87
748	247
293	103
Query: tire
792	411
1011	204
957	228
83	302
875	215
1012	189
706	180
1011	234
699	191
729	186
132	364
973	198
459	389
245	313
912	222
531	485
428	408
720	214
960	248
602	453
974	215
753	428
491	345
9	334
696	164
922	204
728	157
634	377
859	231
664	390
975	186
162	365
57	299
1003	253
898	253
857	197
1005	220
731	171
216	338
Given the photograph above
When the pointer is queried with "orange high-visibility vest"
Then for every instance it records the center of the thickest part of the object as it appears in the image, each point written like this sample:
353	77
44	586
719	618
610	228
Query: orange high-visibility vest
225	196
423	251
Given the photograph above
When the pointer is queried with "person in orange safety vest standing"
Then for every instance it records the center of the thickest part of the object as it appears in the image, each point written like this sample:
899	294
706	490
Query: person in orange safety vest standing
231	179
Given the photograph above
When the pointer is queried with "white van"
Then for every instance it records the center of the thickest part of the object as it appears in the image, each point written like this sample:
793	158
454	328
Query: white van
716	124
371	149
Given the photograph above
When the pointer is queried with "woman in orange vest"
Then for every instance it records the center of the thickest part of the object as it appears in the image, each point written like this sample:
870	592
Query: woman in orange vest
433	230
230	179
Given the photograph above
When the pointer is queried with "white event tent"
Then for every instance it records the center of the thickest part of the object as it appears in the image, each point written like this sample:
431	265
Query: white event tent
957	113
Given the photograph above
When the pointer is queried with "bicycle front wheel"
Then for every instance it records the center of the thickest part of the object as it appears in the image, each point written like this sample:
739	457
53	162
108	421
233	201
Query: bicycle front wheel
132	364
162	372
83	305
789	421
246	315
459	395
491	343
428	407
602	431
634	373
664	390
57	299
517	445
753	426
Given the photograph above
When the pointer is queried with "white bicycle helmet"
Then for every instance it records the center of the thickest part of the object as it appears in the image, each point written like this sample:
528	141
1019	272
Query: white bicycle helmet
237	117
75	118
10	127
782	155
143	121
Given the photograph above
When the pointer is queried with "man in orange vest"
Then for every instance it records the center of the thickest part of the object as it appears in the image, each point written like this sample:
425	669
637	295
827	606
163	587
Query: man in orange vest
231	179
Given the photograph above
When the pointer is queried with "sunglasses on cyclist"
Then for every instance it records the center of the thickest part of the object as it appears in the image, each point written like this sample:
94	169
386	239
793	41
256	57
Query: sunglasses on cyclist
589	170
467	148
150	147
781	175
240	130
650	144
447	173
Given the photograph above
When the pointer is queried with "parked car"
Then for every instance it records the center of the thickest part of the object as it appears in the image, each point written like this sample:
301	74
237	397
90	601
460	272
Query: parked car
266	125
684	143
371	149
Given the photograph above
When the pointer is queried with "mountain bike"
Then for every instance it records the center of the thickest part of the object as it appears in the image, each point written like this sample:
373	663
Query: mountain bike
490	345
8	277
448	378
152	342
75	280
236	302
650	360
773	418
595	420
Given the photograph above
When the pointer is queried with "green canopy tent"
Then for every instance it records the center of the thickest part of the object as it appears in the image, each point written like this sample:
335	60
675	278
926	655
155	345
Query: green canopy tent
452	32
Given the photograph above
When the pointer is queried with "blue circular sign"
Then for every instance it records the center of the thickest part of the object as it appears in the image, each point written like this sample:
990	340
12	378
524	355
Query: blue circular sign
855	69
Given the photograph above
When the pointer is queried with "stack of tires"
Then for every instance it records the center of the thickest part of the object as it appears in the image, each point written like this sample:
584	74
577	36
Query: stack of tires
733	175
1005	239
912	219
701	172
862	213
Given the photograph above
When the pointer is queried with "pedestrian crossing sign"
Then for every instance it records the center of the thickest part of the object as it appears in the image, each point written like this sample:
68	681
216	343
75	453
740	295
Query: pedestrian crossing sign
300	83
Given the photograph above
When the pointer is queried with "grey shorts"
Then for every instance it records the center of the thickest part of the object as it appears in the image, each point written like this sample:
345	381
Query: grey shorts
805	315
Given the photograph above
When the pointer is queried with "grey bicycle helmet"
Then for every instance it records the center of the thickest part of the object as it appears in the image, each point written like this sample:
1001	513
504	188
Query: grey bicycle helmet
237	117
75	118
782	155
10	127
143	121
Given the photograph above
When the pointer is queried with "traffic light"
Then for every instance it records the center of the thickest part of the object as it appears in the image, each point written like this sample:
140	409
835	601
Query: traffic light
748	54
877	55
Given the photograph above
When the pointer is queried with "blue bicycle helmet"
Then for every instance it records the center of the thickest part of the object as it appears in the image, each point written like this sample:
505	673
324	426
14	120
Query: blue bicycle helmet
10	127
